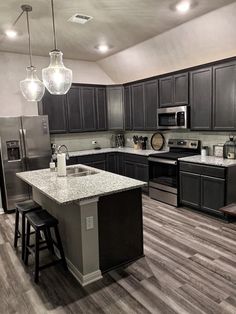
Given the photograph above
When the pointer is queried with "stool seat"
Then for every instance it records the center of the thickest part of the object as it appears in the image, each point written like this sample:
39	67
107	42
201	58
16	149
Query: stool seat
27	206
229	209
41	219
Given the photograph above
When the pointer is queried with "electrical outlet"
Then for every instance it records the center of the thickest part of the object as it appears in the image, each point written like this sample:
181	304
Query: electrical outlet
89	223
94	142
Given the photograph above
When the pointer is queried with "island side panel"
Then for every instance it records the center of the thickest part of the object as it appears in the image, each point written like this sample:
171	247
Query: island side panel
120	222
80	245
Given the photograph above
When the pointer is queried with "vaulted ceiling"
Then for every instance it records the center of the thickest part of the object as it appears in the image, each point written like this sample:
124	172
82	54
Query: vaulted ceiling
120	24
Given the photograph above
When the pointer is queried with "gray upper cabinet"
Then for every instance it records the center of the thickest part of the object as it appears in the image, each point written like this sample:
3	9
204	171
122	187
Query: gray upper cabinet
128	108
151	104
55	107
74	110
101	109
88	108
115	108
224	84
138	106
180	85
201	99
166	91
173	90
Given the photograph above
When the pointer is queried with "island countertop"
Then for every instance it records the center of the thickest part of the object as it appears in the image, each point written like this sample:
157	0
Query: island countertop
210	160
70	189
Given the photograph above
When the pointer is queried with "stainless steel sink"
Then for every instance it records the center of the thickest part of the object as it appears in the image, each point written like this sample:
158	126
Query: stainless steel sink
79	172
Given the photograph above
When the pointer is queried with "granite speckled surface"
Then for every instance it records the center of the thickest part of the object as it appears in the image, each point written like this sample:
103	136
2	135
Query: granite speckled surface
65	190
210	160
128	150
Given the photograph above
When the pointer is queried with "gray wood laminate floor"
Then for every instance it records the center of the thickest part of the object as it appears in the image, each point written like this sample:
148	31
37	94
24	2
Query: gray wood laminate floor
190	267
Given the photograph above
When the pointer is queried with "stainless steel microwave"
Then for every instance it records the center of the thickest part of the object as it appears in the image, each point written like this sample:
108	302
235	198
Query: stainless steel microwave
173	118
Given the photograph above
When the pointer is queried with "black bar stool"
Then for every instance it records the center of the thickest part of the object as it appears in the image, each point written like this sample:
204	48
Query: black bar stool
42	221
23	208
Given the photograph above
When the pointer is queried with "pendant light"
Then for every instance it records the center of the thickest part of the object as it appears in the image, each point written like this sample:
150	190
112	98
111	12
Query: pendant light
56	77
32	88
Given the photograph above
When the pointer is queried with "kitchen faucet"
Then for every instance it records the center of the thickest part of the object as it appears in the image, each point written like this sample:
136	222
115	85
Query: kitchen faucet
58	151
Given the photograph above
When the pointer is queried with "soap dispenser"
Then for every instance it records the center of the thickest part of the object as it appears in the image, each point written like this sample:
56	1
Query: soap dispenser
230	148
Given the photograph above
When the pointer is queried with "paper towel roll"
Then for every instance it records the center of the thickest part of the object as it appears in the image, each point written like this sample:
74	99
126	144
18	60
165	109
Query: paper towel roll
61	165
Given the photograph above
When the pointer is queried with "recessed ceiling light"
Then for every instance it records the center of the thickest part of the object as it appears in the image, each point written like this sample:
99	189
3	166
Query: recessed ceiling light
183	6
11	33
102	48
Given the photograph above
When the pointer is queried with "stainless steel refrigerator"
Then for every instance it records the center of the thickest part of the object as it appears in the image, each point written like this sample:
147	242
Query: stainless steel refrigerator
24	145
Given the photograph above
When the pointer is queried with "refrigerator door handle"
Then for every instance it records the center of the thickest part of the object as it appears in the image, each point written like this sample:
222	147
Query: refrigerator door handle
22	146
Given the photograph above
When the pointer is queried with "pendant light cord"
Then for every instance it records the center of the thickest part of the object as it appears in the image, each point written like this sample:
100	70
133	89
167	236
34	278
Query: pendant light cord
17	19
28	29
54	26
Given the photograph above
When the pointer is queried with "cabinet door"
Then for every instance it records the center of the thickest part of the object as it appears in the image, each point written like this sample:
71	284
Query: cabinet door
201	99
101	109
190	189
72	161
74	109
141	172
88	108
151	104
166	91
129	169
115	108
55	107
181	89
138	106
212	193
99	164
120	163
224	117
111	162
128	108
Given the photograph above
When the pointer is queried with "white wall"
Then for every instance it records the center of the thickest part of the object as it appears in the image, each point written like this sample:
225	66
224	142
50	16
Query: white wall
12	71
204	39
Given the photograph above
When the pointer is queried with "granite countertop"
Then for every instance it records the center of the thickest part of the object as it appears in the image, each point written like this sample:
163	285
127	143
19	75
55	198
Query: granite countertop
210	160
128	150
65	190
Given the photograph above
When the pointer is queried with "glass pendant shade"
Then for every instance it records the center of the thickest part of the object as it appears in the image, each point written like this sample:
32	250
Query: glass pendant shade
32	88
57	78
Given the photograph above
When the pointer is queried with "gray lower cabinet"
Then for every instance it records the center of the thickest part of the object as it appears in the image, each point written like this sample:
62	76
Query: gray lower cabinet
206	187
97	161
190	189
224	96
212	193
115	108
201	99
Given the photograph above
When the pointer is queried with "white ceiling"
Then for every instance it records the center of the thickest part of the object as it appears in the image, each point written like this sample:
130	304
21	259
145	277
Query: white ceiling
121	24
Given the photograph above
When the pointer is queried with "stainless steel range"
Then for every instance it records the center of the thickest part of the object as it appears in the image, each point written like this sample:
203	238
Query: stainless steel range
163	169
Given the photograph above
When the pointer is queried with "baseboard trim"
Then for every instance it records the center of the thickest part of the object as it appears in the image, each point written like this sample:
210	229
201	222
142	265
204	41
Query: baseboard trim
83	279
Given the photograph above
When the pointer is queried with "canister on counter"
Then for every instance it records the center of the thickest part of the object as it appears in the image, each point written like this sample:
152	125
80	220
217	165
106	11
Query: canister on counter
218	150
205	151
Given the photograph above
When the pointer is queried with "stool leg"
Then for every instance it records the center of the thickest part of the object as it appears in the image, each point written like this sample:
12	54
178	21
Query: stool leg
36	270
16	228
23	236
58	239
48	237
27	243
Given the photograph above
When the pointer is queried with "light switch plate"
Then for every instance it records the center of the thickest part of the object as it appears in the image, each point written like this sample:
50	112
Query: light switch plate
89	223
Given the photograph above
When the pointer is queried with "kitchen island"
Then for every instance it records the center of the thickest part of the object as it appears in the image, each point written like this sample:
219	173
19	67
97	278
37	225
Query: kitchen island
99	213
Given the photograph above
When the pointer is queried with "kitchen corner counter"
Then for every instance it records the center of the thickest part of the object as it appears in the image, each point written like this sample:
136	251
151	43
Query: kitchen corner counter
69	189
210	160
127	150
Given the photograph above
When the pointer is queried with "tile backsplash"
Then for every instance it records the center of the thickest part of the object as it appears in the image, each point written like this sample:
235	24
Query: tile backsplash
83	141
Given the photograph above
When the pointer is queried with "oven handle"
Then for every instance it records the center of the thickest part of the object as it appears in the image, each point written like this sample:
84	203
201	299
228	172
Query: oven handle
163	161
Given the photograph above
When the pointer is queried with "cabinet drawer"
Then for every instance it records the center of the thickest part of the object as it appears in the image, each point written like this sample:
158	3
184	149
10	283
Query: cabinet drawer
136	158
91	158
212	171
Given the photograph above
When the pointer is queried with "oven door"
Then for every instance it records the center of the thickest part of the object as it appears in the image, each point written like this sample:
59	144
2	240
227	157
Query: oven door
163	180
172	118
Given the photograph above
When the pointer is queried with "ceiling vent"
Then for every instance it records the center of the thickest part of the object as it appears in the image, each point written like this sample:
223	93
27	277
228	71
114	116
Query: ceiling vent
80	18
